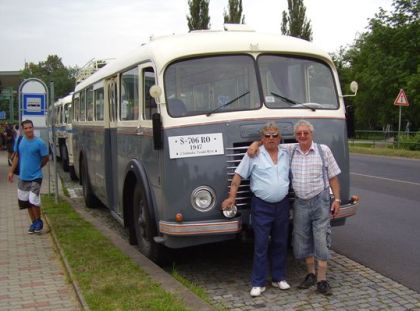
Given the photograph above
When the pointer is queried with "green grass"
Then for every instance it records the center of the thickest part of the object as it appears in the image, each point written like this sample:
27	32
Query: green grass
108	279
385	151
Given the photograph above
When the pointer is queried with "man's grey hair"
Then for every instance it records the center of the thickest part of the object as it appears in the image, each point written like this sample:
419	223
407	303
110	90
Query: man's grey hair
269	125
303	123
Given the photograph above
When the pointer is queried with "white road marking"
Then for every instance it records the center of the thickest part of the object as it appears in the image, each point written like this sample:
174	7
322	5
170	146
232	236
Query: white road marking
388	179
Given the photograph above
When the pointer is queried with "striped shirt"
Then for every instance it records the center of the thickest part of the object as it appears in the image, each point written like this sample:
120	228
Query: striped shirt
307	170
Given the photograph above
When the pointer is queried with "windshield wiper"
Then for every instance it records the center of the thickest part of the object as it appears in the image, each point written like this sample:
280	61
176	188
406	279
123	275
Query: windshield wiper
295	103
227	104
286	99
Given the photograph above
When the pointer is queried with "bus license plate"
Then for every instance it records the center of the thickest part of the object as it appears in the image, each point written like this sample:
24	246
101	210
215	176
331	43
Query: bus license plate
195	145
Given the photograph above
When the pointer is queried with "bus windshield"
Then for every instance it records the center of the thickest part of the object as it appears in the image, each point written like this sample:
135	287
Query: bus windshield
292	82
211	85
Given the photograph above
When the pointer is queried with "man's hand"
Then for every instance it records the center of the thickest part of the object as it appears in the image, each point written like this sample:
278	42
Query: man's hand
10	177
229	202
335	208
253	149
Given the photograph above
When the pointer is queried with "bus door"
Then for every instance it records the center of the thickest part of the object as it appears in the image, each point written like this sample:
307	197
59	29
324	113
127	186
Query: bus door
148	156
110	140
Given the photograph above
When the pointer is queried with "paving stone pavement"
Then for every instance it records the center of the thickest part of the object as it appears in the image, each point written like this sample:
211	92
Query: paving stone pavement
32	276
226	280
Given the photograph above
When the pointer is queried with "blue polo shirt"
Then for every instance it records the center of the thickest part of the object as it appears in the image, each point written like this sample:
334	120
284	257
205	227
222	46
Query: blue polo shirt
31	153
268	181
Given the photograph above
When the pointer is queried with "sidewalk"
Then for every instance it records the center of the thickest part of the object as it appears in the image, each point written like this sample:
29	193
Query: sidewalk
32	276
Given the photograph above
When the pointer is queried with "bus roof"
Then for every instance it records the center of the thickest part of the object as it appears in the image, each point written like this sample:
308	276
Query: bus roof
163	50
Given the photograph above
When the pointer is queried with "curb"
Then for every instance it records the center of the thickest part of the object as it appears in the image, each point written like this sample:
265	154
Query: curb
67	268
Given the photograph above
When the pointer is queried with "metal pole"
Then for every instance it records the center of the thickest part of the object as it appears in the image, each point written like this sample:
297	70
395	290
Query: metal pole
54	142
12	112
399	129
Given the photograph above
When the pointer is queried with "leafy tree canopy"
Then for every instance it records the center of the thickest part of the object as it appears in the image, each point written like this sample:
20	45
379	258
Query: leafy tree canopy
384	60
52	70
294	22
234	14
199	14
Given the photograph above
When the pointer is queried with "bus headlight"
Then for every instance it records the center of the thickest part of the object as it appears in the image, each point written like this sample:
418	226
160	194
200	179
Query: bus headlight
203	198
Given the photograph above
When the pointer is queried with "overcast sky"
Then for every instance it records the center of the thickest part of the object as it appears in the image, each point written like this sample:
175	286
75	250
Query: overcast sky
79	30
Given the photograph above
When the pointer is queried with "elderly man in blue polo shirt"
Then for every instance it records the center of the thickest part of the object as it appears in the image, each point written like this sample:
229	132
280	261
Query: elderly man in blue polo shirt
269	181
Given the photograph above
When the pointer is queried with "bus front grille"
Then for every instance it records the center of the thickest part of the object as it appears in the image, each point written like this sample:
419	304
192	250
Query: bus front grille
234	156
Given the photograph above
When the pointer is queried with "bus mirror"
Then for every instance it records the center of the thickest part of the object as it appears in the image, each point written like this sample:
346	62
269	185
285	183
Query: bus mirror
353	87
157	131
155	91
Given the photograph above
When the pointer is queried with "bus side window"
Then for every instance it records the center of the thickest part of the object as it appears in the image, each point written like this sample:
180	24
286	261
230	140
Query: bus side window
129	104
112	99
82	112
149	104
76	108
99	104
89	104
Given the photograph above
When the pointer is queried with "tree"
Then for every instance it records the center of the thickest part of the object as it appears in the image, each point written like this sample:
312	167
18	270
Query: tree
294	22
382	60
52	70
234	14
199	14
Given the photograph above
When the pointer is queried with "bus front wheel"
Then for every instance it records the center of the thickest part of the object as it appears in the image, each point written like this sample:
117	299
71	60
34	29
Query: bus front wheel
90	199
143	227
64	158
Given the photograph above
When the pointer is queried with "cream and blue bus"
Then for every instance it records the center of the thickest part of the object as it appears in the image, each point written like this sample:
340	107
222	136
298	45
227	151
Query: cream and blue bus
61	117
158	133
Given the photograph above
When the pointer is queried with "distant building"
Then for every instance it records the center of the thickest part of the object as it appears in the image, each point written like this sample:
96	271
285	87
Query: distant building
9	85
10	79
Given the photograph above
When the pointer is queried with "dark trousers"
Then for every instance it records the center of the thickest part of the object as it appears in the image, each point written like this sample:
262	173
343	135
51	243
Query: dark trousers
269	220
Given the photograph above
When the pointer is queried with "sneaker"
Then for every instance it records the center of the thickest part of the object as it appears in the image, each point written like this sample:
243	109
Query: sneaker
38	226
309	280
324	288
257	291
281	285
31	228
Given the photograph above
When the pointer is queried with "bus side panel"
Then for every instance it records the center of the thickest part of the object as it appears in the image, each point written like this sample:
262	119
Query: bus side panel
139	147
97	162
111	169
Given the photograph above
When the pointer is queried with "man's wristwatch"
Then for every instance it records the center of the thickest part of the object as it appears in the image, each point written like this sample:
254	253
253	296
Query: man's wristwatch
337	200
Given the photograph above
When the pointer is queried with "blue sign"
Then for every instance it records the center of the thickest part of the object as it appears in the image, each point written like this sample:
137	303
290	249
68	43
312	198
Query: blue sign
2	115
34	104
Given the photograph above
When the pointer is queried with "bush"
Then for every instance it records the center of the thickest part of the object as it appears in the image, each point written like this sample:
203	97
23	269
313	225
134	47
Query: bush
410	142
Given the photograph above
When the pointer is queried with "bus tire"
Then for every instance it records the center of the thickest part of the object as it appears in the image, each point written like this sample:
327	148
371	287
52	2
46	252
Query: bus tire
64	158
90	199
144	228
72	173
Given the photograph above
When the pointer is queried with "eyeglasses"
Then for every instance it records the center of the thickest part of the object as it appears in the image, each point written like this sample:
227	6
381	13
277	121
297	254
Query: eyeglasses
271	135
303	133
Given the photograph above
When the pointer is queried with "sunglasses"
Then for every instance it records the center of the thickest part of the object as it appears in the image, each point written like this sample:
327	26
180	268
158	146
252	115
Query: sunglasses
303	133
271	135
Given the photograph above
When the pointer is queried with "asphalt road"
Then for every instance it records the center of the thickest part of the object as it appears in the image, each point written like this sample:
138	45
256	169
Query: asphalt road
385	234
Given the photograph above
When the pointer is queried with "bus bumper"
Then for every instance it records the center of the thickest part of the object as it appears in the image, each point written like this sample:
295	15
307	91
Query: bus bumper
195	228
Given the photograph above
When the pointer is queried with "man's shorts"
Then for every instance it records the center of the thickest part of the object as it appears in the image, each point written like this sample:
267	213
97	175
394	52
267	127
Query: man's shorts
311	227
28	193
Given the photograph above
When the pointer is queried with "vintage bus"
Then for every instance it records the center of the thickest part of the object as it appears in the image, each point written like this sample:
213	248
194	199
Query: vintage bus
158	133
61	117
